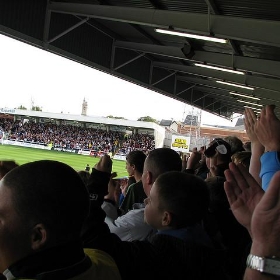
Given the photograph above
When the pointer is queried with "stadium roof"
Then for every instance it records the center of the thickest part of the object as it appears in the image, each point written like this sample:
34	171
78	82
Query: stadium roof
119	37
80	118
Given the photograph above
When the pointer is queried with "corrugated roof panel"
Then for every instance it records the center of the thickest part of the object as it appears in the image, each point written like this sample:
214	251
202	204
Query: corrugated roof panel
258	9
137	69
93	2
84	41
28	19
192	6
132	3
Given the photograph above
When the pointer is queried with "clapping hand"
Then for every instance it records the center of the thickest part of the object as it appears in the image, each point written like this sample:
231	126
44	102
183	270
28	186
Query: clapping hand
105	164
265	224
243	193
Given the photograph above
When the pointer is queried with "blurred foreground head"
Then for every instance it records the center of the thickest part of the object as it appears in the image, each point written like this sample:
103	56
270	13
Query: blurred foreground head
42	204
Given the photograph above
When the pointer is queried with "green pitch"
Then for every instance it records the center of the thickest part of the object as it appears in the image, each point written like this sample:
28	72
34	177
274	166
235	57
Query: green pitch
78	162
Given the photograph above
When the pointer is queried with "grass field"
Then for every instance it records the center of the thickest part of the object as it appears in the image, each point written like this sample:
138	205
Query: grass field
78	162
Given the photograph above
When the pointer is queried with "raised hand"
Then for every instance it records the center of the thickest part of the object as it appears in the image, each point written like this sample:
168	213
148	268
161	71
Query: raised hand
243	193
194	159
249	123
265	224
105	164
267	129
184	162
257	148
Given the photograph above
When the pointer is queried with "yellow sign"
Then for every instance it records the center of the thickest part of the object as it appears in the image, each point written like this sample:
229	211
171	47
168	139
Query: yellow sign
180	143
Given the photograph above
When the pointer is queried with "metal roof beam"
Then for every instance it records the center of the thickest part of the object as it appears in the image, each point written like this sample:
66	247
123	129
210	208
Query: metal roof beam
220	96
257	92
212	6
164	78
236	28
214	9
259	82
153	49
224	97
129	61
184	90
68	30
255	65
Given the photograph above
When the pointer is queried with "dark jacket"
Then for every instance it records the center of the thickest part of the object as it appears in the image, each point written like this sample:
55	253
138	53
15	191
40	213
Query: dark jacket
68	261
163	257
135	194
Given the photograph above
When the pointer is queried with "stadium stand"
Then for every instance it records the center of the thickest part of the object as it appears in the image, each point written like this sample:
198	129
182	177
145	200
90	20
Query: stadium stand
89	135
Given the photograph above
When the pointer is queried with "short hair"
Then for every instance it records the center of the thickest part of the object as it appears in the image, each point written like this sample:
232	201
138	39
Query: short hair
84	176
137	158
6	166
162	160
243	157
235	143
184	195
51	193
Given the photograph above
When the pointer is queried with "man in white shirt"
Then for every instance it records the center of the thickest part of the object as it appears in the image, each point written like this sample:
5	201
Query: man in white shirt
131	226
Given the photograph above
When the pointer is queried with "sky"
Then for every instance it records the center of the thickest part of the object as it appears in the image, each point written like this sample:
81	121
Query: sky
57	84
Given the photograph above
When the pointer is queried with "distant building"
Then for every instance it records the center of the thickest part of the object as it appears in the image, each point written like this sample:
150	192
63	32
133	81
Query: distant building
240	122
84	107
170	124
166	123
191	120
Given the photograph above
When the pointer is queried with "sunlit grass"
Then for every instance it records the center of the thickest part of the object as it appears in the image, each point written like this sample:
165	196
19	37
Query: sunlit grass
78	162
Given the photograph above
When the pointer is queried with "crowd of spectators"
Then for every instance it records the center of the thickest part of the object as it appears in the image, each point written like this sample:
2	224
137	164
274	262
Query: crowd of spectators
214	214
72	137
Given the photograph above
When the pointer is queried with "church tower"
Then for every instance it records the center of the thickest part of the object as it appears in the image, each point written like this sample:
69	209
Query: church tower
84	107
